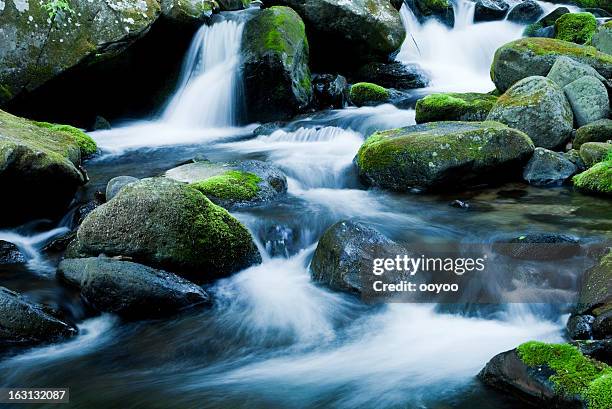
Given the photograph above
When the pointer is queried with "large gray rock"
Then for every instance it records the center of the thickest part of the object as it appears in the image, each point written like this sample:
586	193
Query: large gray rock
277	79
164	223
130	289
437	154
39	168
538	107
38	44
525	12
234	184
566	70
588	98
598	131
490	10
345	254
25	323
548	168
593	152
348	34
116	184
535	56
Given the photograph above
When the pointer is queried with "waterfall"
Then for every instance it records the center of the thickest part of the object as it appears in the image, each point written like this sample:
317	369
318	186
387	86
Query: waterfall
209	94
459	58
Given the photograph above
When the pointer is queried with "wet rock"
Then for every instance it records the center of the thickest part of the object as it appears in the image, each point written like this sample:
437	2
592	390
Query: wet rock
546	24
442	154
535	56
596	180
345	254
459	204
10	254
130	289
101	124
167	224
539	246
597	131
548	168
330	91
59	244
538	107
580	326
573	156
588	98
268	128
440	10
188	11
454	107
490	10
234	184
393	75
39	168
115	185
365	93
345	35
594	152
275	69
25	323
576	27
525	12
233	5
600	350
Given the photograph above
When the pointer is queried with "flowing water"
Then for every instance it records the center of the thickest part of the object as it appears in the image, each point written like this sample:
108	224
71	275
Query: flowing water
273	337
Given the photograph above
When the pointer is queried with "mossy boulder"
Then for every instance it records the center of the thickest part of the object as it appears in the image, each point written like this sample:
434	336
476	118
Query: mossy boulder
366	93
26	323
40	43
166	224
548	168
454	107
535	56
538	107
576	27
596	180
443	154
129	289
602	39
441	10
598	131
39	168
234	184
594	152
345	35
551	375
189	11
276	76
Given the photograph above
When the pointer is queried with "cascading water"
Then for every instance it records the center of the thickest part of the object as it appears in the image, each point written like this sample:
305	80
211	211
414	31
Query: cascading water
210	92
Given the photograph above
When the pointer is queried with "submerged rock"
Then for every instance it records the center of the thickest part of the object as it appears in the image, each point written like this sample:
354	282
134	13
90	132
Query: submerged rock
393	75
538	107
525	12
539	246
440	154
598	131
39	168
588	98
548	168
25	323
116	184
550	375
596	180
365	93
130	289
490	10
593	152
535	56
345	254
234	184
167	224
10	254
576	27
330	91
347	34
454	107
275	69
41	42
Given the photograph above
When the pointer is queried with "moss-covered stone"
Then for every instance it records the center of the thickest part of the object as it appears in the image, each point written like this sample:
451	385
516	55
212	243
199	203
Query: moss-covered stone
189	11
442	154
366	93
598	131
38	169
276	74
576	27
594	152
454	107
535	56
593	4
597	179
232	185
573	373
163	223
442	10
86	144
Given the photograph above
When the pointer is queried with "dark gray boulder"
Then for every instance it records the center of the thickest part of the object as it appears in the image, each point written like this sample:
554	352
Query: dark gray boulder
539	246
130	289
10	254
525	12
330	91
490	10
548	168
25	323
393	75
441	10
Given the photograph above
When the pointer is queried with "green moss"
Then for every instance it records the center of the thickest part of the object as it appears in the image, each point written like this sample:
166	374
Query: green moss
5	94
364	92
575	374
598	4
87	145
454	107
597	179
531	29
232	185
428	7
576	27
549	46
